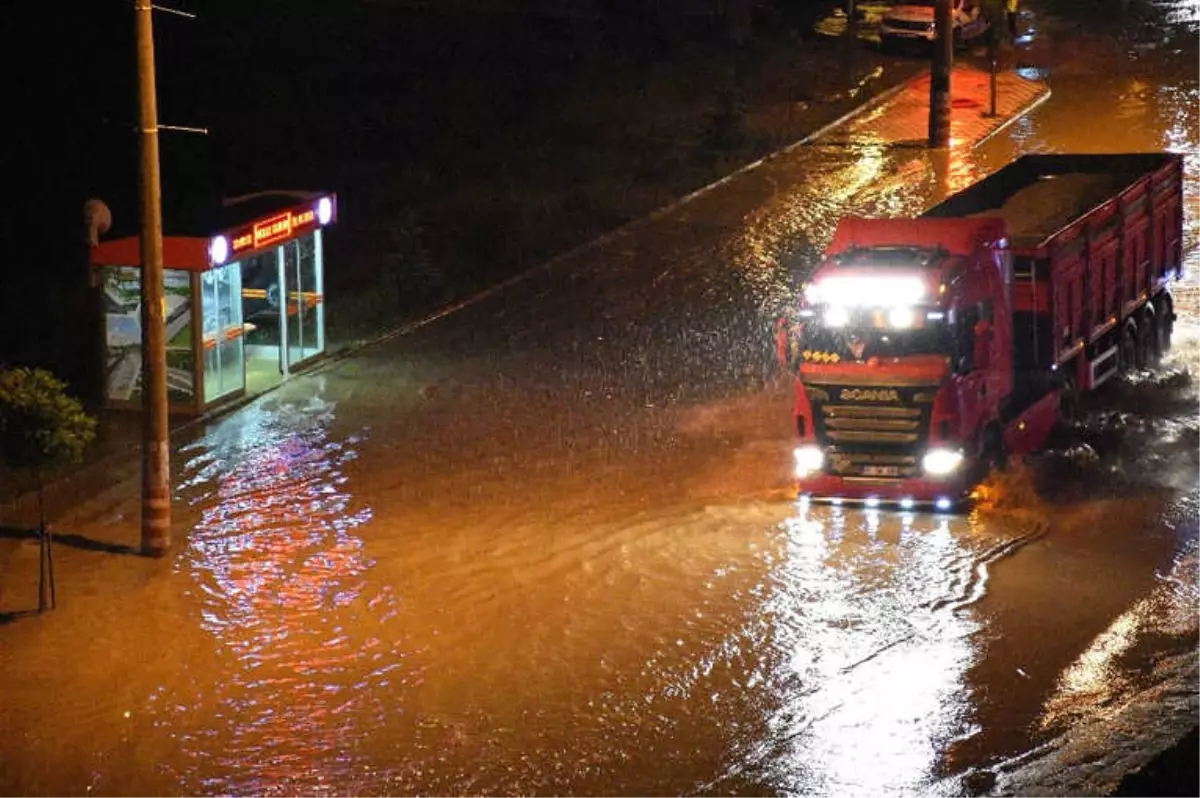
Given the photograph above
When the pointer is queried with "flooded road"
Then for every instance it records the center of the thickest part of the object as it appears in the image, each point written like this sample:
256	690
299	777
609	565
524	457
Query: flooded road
544	545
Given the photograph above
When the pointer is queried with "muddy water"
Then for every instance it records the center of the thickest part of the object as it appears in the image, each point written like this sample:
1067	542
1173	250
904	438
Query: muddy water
544	545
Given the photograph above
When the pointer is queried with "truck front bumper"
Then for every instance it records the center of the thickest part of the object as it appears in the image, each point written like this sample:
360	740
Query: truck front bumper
943	495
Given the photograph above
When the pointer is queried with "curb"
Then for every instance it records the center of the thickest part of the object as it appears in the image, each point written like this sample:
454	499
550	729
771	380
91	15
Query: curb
878	99
1017	114
350	349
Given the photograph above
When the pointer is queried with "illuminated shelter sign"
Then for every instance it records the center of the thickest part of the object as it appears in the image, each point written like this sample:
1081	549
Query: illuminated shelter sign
279	227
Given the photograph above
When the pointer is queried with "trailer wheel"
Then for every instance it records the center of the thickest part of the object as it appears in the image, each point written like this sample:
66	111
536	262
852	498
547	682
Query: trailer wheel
1068	403
1164	326
1145	352
1127	348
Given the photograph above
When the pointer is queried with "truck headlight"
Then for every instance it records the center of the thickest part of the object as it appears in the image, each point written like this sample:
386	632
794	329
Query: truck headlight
837	316
808	460
939	462
901	317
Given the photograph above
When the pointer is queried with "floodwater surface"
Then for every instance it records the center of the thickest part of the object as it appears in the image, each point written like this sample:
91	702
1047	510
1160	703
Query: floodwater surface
545	544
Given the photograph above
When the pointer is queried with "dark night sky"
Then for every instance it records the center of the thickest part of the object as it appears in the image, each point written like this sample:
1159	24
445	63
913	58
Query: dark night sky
354	97
72	130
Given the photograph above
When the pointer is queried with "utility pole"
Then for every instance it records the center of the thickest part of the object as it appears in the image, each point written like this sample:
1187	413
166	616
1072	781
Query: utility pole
851	40
939	76
993	57
156	489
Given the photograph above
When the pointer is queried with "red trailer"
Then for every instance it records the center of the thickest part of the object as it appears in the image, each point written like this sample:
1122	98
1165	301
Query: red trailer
925	350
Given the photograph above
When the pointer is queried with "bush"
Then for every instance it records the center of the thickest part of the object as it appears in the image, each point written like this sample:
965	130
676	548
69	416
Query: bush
41	426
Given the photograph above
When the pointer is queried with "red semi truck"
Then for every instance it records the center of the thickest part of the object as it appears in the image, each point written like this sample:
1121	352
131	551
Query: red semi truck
926	350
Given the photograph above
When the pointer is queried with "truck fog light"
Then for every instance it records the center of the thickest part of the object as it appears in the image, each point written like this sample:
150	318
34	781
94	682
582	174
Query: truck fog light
938	462
808	460
942	503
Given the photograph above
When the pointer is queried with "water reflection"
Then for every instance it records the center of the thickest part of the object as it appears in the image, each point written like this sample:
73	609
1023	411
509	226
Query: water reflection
869	638
280	572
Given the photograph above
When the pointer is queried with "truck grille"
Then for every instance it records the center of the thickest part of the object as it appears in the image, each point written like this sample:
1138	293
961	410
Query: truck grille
882	438
865	424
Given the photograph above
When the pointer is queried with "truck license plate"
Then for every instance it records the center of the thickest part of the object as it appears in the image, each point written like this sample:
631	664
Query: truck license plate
881	471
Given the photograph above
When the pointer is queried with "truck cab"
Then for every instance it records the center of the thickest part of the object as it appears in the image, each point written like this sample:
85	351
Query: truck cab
911	22
901	348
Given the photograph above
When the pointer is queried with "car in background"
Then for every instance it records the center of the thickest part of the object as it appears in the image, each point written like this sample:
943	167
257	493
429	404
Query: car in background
911	23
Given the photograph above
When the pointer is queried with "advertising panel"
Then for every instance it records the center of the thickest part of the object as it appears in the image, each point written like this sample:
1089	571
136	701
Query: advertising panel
123	334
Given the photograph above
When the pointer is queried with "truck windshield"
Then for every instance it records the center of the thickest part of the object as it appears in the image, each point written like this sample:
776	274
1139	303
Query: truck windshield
857	344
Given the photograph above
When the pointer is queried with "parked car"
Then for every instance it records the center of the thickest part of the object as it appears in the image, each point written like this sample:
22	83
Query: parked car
911	22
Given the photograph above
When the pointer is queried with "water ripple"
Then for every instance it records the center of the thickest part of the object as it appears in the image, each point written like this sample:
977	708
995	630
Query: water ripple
280	574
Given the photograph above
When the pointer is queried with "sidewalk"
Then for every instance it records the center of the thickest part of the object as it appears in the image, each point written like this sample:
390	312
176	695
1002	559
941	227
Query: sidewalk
904	117
897	117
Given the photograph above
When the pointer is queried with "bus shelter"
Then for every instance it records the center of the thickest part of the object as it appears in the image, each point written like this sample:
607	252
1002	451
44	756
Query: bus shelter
244	306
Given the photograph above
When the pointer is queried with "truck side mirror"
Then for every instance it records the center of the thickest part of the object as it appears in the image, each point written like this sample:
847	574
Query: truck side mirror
981	354
788	339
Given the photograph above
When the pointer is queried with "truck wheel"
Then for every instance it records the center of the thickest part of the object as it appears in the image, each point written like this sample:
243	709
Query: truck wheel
994	455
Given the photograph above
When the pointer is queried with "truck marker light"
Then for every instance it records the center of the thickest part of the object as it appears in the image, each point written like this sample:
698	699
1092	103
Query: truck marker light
942	503
941	461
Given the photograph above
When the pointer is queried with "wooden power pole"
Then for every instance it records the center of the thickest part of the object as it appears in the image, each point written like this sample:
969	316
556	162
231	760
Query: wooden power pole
939	75
156	489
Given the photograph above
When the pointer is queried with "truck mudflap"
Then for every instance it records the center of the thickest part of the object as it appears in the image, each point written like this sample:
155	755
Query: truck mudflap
903	494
